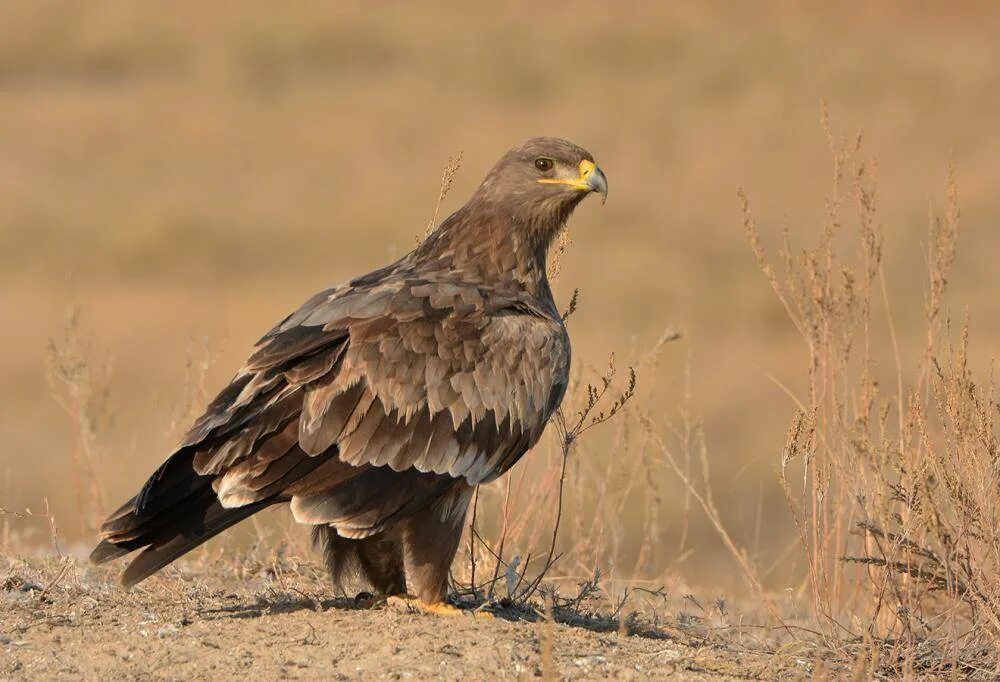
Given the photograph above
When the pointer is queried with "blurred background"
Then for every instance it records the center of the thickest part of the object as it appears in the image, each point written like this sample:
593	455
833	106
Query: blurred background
182	175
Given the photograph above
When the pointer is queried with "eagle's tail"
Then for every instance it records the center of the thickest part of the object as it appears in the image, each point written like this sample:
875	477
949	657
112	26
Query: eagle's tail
176	511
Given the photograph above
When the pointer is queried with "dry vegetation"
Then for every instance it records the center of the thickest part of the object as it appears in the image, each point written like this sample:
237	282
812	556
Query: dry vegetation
892	483
808	483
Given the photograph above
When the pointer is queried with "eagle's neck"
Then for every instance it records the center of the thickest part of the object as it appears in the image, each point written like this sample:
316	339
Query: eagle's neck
488	243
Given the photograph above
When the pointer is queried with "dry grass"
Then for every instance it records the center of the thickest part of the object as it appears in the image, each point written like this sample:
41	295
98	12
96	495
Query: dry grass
891	477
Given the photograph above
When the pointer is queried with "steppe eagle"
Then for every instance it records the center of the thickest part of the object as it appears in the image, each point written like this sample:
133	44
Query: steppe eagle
377	407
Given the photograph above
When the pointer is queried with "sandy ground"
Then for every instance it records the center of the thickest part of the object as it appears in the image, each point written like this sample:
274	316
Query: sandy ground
68	619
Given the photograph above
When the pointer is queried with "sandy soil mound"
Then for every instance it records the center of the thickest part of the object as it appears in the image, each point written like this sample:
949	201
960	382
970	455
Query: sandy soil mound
70	619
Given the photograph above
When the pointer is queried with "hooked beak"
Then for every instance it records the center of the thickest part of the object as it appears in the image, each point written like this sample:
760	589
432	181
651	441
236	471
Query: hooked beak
594	179
590	179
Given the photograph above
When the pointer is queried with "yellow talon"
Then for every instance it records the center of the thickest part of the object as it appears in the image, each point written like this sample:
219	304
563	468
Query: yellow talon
440	608
412	604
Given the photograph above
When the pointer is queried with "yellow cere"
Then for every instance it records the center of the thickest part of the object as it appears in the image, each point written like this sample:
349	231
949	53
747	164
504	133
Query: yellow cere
586	168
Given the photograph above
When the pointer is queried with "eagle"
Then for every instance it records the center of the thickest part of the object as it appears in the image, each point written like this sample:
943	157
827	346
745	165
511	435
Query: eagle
376	408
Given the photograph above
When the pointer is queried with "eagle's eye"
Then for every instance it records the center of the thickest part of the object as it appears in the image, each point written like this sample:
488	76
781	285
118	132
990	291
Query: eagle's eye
543	164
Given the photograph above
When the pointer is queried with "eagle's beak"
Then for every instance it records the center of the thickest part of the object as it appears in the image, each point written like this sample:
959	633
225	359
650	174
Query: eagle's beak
590	179
594	179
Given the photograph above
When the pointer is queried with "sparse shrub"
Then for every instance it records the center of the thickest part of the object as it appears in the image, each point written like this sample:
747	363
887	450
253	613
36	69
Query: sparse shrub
893	483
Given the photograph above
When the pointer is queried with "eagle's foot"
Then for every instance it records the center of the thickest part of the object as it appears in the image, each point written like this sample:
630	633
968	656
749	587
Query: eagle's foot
411	604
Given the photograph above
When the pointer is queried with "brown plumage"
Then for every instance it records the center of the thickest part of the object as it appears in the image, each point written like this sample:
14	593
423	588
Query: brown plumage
378	406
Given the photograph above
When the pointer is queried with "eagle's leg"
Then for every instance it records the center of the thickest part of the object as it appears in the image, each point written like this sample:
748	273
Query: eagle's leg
430	540
378	559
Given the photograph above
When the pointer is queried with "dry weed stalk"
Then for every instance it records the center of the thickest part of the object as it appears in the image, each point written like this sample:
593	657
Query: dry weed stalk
566	522
447	177
200	356
563	241
896	497
691	438
7	541
83	394
521	525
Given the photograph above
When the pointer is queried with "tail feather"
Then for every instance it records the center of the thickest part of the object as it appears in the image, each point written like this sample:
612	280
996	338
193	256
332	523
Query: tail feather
105	552
184	535
167	536
174	481
177	510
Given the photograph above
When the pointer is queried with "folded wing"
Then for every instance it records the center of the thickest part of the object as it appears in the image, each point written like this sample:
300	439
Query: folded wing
359	408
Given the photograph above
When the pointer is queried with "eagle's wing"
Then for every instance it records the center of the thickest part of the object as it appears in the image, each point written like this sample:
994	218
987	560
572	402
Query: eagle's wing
434	376
434	379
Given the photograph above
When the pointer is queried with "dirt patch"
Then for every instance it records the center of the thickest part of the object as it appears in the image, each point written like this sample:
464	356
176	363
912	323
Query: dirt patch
66	618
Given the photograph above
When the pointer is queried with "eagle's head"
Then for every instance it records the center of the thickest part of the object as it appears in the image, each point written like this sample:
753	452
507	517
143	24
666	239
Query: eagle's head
542	180
506	228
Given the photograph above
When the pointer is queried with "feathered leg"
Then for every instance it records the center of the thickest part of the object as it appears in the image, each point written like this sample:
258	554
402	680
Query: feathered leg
430	540
378	560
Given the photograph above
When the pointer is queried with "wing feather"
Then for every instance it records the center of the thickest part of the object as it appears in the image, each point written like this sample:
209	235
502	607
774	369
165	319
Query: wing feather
433	377
327	410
